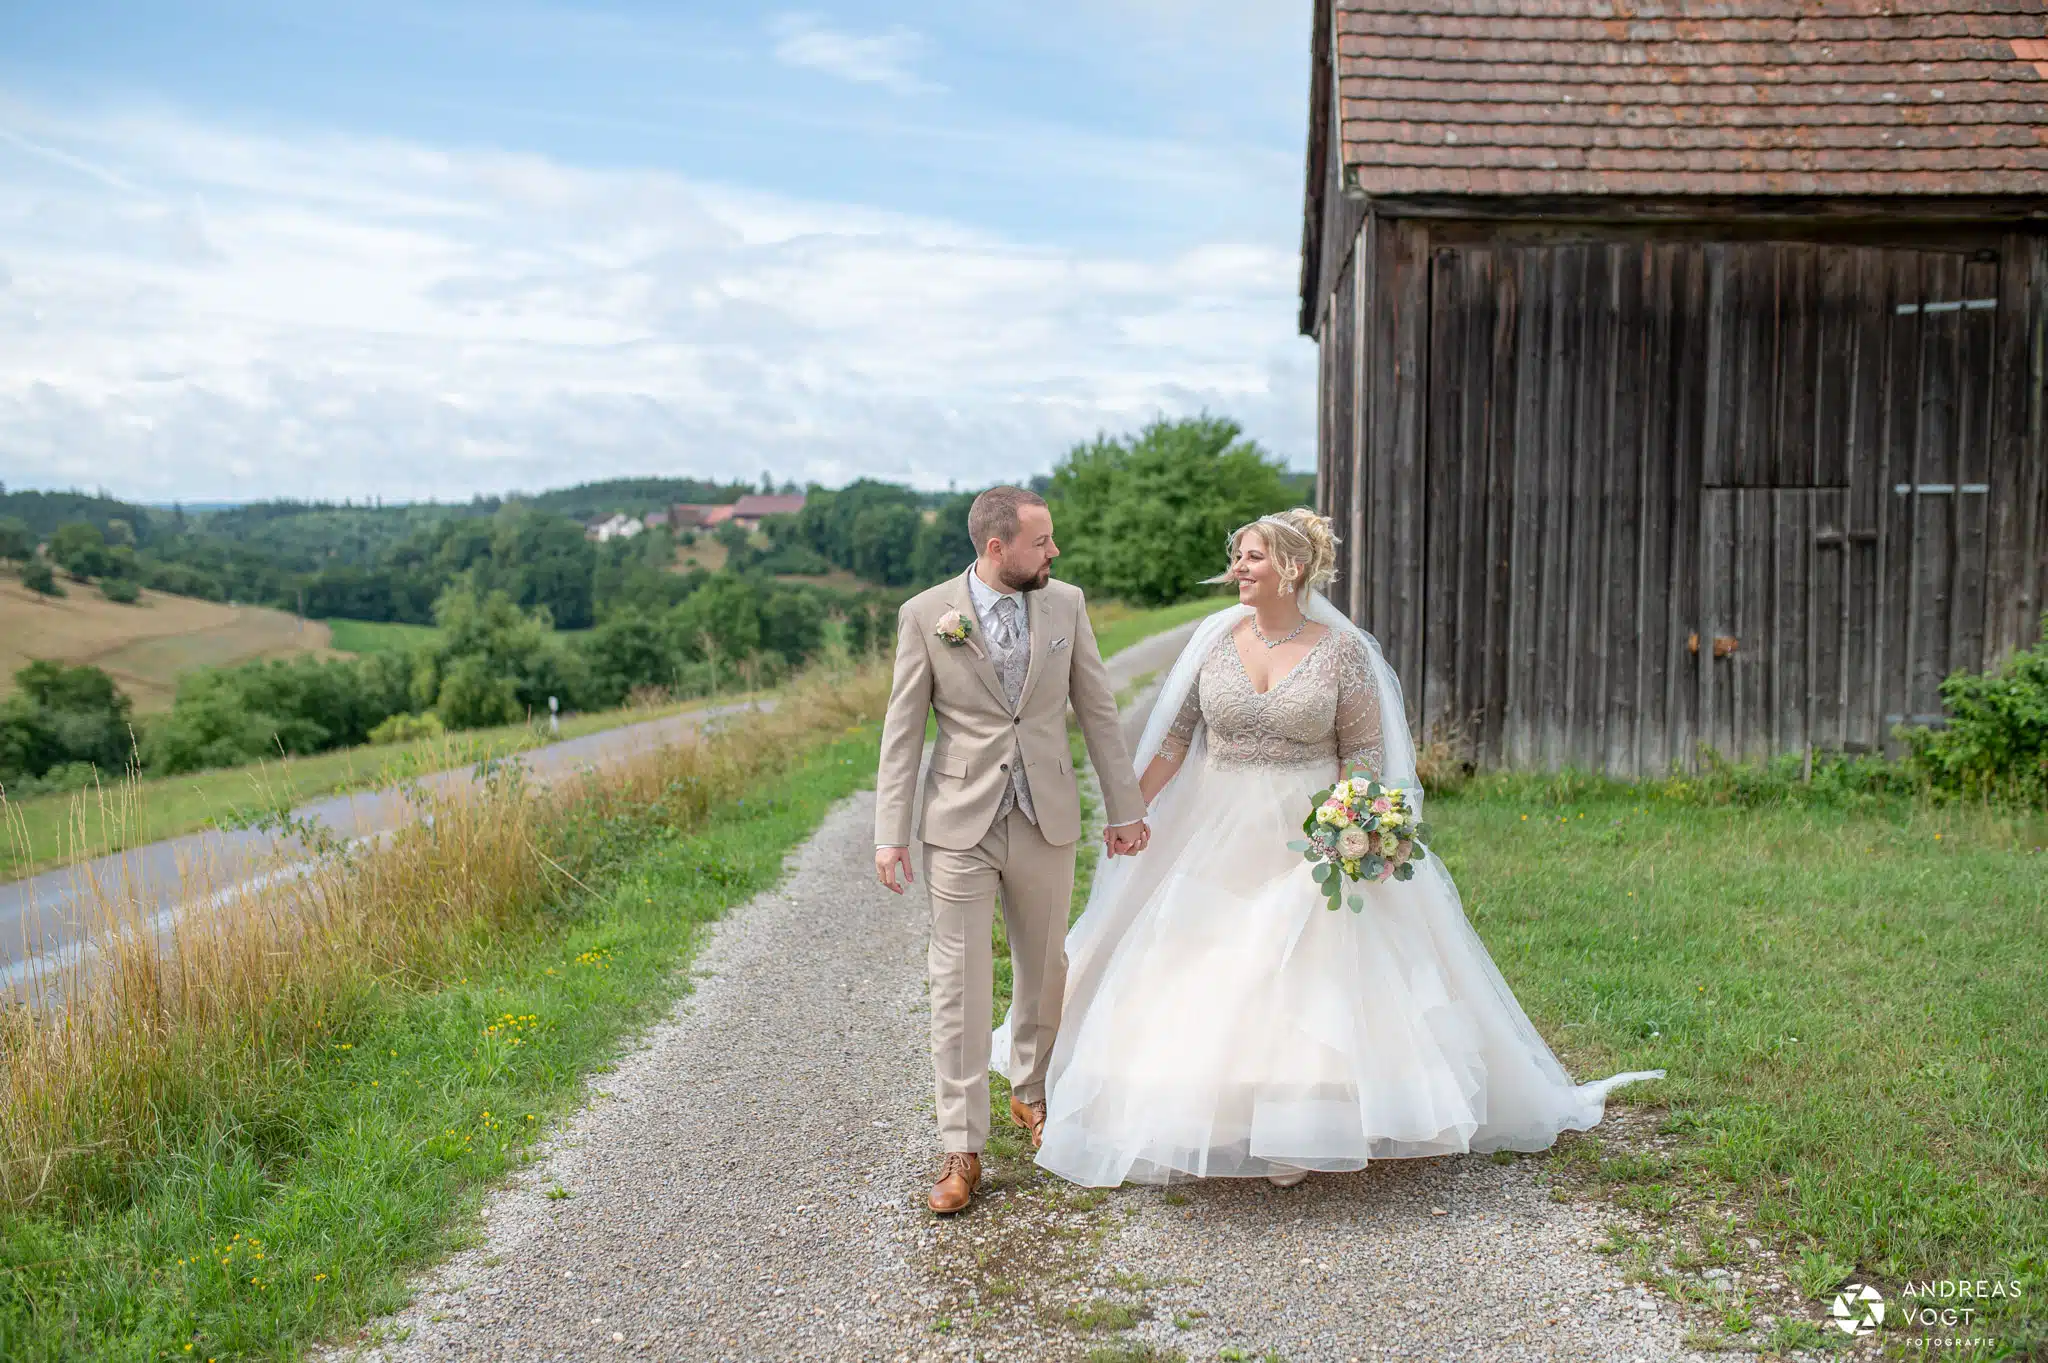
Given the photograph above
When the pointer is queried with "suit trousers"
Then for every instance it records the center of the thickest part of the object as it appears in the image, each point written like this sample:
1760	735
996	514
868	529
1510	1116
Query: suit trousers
1034	879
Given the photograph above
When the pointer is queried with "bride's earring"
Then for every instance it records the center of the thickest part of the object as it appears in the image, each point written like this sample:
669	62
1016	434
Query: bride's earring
1287	587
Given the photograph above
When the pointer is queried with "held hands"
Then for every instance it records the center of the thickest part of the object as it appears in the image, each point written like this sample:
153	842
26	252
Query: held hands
1127	839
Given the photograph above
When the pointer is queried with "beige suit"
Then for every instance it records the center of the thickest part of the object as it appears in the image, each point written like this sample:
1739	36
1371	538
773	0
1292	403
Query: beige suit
970	857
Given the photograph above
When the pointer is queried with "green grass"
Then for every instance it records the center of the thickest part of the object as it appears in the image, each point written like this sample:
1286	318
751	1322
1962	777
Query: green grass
1850	1007
295	1212
56	830
1117	626
377	636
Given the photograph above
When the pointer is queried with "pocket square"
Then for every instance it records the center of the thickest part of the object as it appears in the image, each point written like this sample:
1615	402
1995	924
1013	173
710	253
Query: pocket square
1058	644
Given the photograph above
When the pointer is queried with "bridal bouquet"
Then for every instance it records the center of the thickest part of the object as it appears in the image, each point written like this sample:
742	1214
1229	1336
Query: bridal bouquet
1360	830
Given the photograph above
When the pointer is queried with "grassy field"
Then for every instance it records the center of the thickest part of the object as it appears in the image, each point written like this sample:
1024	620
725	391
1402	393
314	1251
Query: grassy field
298	1136
376	636
147	646
56	830
1852	1008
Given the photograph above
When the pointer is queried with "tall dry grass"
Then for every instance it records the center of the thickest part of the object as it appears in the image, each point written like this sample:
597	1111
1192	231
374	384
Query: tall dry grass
157	1032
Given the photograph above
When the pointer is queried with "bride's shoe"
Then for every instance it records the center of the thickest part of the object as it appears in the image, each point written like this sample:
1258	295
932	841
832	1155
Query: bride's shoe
1287	1179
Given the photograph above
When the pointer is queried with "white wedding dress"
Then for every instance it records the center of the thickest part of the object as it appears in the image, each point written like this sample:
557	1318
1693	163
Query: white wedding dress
1220	1020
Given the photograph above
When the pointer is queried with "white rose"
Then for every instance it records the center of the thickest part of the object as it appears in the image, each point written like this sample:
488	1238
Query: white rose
1353	842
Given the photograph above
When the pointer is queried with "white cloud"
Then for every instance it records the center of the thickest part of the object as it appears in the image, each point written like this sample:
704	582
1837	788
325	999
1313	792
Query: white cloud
219	315
884	59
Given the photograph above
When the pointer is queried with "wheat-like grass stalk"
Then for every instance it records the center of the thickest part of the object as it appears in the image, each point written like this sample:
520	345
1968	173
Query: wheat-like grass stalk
115	1051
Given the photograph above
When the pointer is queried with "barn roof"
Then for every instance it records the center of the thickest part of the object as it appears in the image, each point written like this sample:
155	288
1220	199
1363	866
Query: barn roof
1687	97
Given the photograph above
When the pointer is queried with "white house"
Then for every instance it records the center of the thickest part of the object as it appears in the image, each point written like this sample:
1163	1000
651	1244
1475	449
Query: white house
613	527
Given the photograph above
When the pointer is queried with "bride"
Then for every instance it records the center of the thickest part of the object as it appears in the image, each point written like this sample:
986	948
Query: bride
1220	1019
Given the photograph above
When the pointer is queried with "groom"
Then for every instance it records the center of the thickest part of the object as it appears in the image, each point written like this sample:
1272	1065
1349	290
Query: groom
997	653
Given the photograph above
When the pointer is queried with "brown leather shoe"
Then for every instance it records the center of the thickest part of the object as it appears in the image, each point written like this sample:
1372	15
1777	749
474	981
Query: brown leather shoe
1030	1116
958	1177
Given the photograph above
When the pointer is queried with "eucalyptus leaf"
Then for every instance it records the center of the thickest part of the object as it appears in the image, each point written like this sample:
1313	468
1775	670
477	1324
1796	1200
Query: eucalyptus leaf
1322	872
1404	872
1298	845
1357	903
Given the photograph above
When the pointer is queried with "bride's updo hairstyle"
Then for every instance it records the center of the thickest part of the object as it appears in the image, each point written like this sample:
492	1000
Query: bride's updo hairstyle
1301	543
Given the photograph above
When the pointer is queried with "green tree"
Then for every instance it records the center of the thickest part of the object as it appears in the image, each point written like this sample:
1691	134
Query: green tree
944	547
79	550
631	648
884	543
38	577
792	624
541	560
472	696
62	715
720	621
1145	519
16	543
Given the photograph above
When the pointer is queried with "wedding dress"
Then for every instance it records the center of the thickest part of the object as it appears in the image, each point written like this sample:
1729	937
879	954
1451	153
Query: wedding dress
1220	1020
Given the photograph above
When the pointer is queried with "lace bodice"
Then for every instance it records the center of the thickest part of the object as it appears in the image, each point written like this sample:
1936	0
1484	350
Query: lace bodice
1327	710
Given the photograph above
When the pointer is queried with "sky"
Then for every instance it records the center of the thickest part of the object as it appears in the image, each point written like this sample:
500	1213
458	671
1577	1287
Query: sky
293	248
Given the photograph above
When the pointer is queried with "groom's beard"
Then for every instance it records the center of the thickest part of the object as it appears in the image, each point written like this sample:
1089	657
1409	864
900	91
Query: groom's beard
1026	584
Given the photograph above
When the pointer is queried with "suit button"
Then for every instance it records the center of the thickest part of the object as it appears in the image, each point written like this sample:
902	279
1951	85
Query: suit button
1019	719
1006	766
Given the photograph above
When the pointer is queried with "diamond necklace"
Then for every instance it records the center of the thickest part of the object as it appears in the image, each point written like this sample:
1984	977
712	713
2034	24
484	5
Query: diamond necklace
1275	643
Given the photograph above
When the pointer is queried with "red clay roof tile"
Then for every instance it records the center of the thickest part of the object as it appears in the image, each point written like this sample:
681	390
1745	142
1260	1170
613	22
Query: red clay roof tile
1808	97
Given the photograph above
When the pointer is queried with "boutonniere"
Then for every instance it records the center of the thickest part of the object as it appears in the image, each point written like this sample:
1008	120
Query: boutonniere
954	628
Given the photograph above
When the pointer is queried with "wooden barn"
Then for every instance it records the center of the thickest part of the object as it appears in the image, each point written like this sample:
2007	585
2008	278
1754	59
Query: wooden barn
1682	362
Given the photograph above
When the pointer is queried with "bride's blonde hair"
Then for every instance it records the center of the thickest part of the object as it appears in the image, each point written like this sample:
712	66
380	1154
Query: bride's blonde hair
1301	542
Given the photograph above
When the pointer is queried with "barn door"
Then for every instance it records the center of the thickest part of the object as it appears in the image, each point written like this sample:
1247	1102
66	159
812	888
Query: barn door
1845	477
1775	628
1939	483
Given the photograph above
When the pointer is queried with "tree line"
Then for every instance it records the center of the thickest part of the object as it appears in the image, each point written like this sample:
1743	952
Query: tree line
1141	518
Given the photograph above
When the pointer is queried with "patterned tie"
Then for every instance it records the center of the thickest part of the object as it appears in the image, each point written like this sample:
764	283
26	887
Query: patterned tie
1011	663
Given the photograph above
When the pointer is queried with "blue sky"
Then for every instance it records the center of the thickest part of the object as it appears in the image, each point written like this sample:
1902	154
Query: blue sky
265	249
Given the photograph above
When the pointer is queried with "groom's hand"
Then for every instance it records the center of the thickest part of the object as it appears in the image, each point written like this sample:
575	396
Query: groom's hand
887	860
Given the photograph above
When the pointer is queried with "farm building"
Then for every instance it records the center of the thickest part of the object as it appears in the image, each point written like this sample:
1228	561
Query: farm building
1682	363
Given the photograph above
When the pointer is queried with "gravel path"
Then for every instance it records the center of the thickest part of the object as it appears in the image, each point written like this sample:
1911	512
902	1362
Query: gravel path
749	1185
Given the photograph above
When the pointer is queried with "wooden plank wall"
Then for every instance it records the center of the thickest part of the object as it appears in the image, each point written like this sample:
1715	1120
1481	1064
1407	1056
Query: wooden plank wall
1565	462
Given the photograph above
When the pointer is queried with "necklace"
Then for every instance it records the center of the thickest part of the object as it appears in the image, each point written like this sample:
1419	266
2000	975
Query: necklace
1275	643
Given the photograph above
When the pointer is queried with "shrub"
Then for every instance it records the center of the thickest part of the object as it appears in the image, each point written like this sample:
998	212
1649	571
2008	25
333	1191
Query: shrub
63	715
38	577
120	590
228	716
472	696
1996	743
405	728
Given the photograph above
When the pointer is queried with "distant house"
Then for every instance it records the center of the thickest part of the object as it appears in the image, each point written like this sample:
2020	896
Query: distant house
690	515
655	520
750	510
612	528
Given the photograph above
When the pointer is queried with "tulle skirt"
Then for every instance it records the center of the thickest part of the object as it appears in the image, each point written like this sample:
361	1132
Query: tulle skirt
1221	1020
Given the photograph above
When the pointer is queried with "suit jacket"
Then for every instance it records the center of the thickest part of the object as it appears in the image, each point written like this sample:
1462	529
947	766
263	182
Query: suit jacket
979	733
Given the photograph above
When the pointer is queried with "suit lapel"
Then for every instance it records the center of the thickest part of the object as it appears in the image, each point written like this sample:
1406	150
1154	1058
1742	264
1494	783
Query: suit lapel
1041	639
978	660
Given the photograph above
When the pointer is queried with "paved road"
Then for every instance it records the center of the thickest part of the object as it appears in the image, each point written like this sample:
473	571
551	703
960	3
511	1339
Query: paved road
48	915
44	919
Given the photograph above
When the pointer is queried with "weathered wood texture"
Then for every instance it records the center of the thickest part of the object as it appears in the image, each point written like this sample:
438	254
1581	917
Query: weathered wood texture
1617	494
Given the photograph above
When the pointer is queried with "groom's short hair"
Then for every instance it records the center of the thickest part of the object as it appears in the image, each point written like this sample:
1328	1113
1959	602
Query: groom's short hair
994	514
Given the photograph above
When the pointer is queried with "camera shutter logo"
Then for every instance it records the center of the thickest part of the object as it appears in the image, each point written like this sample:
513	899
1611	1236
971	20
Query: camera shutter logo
1858	1309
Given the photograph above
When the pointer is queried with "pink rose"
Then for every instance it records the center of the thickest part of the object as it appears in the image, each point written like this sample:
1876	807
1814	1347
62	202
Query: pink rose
953	627
1382	805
